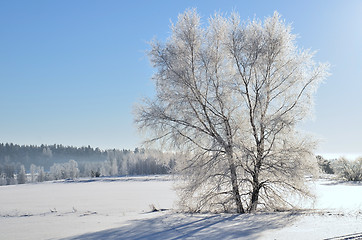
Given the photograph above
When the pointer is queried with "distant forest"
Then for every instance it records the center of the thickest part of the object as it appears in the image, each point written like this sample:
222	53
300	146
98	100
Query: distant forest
30	163
47	155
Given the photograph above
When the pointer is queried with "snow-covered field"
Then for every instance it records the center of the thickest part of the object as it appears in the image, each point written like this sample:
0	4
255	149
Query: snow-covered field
120	208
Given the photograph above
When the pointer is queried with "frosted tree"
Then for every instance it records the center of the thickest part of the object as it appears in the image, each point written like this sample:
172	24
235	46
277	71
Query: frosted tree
33	172
349	170
41	174
276	82
21	177
113	157
229	95
8	172
90	169
124	166
72	169
57	171
65	170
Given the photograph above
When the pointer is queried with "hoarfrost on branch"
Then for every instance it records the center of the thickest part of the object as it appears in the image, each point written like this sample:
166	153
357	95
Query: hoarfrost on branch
229	95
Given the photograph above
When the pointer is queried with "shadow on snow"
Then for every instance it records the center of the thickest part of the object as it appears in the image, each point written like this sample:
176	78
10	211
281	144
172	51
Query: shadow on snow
200	226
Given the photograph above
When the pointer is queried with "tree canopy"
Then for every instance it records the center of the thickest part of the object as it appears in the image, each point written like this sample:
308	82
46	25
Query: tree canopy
229	94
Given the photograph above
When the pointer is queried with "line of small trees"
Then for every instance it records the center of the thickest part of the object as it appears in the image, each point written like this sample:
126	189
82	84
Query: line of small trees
138	162
9	175
345	169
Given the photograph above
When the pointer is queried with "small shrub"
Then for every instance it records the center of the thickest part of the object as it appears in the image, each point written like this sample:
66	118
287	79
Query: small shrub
95	174
349	170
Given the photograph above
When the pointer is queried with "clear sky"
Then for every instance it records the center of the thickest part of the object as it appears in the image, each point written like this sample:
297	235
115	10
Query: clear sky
71	71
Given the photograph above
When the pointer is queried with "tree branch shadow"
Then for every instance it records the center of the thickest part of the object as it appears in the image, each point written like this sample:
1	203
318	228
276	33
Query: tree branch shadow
201	226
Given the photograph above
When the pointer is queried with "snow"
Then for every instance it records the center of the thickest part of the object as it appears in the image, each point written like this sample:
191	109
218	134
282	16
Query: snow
54	210
120	208
343	196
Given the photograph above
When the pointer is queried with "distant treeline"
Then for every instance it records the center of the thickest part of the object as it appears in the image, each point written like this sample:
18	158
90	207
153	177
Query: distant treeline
30	163
47	155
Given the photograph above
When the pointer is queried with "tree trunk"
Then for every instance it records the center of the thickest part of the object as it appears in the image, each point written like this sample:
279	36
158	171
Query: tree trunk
256	186
254	197
235	187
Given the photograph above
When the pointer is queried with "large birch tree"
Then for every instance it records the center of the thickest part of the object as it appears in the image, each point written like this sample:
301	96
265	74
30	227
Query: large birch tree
229	95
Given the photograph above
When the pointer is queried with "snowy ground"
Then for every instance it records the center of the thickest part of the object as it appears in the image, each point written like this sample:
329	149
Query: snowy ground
120	208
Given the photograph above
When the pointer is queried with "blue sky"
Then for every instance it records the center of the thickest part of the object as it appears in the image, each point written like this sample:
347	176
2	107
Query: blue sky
71	71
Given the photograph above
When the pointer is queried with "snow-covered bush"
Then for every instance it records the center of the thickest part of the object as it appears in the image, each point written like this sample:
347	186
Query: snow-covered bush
349	170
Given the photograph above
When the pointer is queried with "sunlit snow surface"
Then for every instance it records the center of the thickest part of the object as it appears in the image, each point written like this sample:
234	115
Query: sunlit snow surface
120	208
